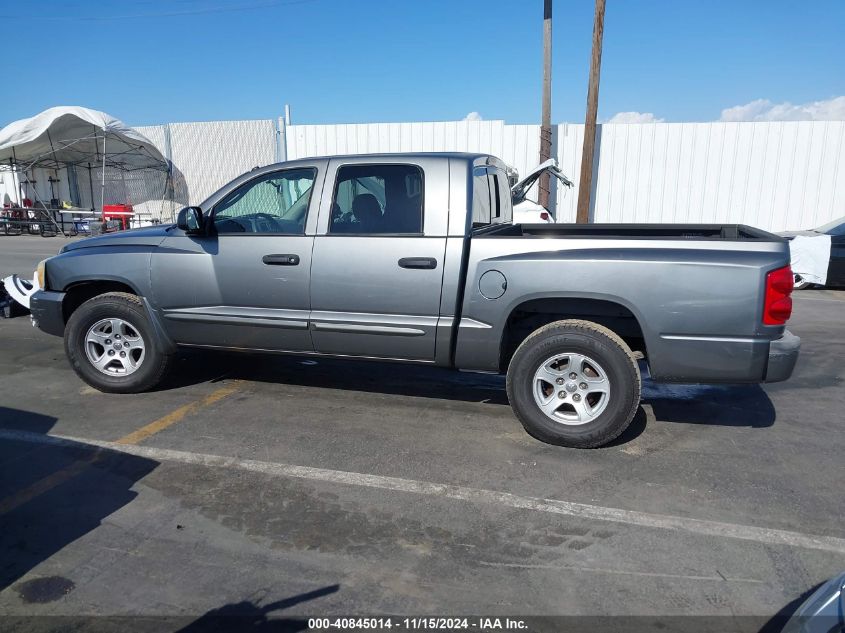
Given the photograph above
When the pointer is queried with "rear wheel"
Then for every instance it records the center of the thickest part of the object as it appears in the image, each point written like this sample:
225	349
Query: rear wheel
111	345
574	383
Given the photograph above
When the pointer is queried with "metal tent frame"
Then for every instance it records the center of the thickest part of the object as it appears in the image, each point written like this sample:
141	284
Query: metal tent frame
125	156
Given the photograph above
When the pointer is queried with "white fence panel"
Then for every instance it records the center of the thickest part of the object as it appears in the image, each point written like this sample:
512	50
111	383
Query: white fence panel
373	138
213	153
775	175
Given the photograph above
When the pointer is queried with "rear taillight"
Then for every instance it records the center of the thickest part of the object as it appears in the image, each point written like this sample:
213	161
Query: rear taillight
777	306
544	216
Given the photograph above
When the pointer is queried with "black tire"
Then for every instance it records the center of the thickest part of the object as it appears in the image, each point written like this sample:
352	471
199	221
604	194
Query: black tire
595	342
129	308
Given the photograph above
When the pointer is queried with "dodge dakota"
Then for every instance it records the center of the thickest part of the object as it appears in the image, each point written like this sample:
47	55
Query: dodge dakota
413	258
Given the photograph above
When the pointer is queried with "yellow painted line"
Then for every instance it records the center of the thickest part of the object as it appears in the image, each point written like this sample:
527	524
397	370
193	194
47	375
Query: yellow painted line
178	415
46	484
72	470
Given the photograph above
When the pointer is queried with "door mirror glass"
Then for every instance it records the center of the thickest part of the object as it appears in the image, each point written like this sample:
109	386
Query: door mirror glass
190	220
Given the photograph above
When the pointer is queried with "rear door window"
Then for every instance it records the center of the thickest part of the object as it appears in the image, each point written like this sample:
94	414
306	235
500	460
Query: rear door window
378	200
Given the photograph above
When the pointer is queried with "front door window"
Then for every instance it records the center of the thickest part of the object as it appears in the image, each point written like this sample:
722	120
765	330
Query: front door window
275	203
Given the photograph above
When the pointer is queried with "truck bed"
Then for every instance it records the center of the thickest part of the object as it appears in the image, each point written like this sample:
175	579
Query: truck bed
723	232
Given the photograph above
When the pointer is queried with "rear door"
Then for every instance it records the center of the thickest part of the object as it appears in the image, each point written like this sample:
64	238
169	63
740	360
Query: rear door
377	267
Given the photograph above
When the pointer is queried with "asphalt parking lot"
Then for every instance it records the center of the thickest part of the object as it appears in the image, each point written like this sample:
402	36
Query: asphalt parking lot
269	484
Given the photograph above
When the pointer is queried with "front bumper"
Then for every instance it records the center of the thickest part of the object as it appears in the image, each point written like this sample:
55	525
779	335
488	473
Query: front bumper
47	314
783	353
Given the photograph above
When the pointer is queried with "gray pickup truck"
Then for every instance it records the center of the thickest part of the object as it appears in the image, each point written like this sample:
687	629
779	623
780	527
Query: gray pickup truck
412	257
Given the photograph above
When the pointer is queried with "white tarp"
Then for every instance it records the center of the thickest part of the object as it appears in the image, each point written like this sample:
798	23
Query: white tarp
75	135
810	257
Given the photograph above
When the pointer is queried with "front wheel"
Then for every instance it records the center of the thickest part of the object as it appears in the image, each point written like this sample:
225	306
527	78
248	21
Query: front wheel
574	383
111	345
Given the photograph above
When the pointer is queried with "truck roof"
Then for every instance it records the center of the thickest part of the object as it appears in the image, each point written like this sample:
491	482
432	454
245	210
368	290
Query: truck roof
470	157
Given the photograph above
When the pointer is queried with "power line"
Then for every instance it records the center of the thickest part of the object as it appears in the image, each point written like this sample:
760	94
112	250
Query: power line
163	14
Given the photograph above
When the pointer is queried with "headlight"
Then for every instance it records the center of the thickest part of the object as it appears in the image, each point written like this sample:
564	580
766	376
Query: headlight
41	274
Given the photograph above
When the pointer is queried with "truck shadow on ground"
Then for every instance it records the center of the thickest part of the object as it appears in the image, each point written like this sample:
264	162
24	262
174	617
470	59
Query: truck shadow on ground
420	381
51	495
718	405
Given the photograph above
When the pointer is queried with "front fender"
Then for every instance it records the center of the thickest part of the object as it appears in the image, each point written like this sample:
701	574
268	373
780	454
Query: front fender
128	266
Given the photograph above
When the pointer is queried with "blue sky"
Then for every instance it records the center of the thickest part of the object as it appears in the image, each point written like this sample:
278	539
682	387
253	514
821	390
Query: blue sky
155	61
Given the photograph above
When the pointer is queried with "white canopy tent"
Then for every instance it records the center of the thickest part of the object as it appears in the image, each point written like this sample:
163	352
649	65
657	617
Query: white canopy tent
67	137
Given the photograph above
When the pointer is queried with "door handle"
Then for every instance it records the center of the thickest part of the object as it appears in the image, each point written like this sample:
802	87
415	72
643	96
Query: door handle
281	260
426	263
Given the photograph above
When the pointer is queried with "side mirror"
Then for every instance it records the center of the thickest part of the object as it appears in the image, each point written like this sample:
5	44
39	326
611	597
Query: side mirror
190	220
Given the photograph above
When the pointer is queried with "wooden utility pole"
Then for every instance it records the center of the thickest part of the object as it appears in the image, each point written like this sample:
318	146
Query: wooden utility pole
546	125
585	186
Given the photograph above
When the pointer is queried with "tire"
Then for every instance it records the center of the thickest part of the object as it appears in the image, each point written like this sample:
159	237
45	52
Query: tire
115	322
596	406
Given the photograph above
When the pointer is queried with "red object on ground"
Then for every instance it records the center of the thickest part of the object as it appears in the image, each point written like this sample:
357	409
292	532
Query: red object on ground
120	212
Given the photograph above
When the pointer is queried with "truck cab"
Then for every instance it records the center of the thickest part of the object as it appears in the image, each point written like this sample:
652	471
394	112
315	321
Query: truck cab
342	256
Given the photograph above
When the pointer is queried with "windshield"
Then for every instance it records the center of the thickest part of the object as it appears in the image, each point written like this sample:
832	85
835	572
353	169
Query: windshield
834	227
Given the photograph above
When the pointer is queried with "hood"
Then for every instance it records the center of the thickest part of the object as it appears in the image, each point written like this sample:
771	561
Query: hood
146	236
520	189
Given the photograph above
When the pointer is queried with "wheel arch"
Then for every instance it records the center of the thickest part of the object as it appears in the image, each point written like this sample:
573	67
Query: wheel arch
79	292
534	313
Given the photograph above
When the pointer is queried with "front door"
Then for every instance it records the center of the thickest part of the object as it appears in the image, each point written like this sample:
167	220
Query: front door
244	284
377	273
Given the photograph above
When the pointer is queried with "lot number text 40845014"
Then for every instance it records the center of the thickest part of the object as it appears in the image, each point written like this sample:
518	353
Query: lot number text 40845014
427	623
